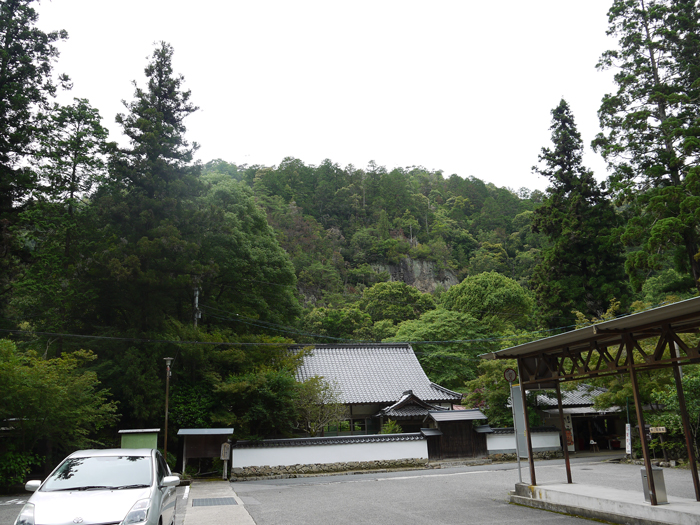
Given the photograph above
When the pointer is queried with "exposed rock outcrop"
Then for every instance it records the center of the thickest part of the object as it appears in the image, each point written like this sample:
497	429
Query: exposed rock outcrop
423	275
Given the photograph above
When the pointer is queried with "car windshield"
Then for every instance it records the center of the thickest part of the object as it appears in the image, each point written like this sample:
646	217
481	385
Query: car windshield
98	472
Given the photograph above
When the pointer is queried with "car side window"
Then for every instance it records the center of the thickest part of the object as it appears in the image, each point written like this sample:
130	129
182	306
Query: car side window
163	469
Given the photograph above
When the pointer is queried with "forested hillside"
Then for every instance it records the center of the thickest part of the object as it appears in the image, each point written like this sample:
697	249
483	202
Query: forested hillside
114	257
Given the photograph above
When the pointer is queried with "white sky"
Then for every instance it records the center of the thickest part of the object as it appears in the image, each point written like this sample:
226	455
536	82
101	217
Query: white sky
462	86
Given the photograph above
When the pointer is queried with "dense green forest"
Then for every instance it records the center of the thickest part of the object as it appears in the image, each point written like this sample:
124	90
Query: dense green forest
115	256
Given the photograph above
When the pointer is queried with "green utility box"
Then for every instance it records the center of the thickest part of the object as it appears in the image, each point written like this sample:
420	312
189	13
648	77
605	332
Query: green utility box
140	438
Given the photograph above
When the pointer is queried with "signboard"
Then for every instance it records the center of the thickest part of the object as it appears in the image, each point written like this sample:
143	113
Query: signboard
519	415
509	374
628	439
225	451
657	430
568	426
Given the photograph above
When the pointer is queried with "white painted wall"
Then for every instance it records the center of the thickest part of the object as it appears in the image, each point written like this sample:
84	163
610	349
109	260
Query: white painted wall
336	453
505	443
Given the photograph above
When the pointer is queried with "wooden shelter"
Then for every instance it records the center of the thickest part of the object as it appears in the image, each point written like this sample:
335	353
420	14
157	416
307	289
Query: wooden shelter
610	348
457	436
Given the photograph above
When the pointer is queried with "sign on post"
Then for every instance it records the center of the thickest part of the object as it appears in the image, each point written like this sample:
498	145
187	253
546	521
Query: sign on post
225	455
657	430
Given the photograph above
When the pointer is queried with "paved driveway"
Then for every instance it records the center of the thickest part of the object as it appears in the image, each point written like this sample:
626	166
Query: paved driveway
474	495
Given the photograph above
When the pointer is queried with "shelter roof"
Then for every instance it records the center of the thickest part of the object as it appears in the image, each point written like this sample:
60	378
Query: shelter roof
372	373
683	316
456	415
204	431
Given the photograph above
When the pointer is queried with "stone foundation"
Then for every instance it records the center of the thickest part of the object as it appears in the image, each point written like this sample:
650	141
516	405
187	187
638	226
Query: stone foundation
547	454
293	471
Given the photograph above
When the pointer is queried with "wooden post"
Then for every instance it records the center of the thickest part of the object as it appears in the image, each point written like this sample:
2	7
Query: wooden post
530	458
565	444
684	416
640	419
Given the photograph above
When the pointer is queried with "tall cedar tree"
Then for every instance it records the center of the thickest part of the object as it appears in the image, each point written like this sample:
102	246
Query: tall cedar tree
149	208
651	132
582	269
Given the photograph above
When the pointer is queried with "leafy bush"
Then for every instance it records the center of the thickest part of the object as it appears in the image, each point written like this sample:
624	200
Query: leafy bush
391	427
14	467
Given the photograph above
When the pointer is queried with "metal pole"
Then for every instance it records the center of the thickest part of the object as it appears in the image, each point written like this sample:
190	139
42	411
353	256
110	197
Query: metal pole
565	443
640	420
168	361
515	431
684	417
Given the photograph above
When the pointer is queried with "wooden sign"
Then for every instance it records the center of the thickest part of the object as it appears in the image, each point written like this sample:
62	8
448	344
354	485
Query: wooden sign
657	430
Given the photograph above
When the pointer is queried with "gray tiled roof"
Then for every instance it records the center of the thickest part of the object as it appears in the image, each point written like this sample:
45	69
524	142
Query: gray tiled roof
373	373
584	395
409	406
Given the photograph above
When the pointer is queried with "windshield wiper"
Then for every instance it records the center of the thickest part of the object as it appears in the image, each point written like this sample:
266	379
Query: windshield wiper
136	486
87	487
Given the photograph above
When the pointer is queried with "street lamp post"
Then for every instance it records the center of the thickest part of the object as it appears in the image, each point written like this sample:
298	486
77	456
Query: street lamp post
168	362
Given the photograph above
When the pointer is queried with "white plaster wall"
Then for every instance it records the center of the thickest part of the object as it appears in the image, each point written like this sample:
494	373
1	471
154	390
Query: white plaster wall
505	443
304	455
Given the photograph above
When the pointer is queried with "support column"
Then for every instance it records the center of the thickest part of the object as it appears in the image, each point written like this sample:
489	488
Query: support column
565	444
629	344
684	416
530	457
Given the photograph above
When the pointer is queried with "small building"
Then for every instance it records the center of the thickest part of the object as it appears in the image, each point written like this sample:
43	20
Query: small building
461	434
139	438
202	443
584	423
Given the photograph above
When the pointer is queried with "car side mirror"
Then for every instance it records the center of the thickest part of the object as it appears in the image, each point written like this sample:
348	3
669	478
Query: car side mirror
32	485
170	481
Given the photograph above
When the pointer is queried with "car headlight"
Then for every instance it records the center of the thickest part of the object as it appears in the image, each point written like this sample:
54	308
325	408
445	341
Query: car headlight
26	517
138	513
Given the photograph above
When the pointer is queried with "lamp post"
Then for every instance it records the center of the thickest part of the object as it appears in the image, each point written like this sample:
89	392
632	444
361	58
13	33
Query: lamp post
168	362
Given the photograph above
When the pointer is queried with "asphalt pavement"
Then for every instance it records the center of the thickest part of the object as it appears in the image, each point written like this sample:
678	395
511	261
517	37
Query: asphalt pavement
459	494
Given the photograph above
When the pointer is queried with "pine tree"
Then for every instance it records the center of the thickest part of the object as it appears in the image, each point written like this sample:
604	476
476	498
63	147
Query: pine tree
582	268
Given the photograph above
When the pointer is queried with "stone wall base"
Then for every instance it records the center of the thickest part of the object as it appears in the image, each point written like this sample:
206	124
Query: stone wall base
315	469
547	454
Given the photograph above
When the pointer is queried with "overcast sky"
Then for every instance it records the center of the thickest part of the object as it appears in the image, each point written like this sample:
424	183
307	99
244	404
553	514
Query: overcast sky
462	86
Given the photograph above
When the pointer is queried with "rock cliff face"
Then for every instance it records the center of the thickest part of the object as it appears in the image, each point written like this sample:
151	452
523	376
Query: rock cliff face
421	274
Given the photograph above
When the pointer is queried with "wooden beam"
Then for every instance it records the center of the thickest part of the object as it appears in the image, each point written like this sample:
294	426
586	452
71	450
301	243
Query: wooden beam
528	437
686	421
565	444
640	421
